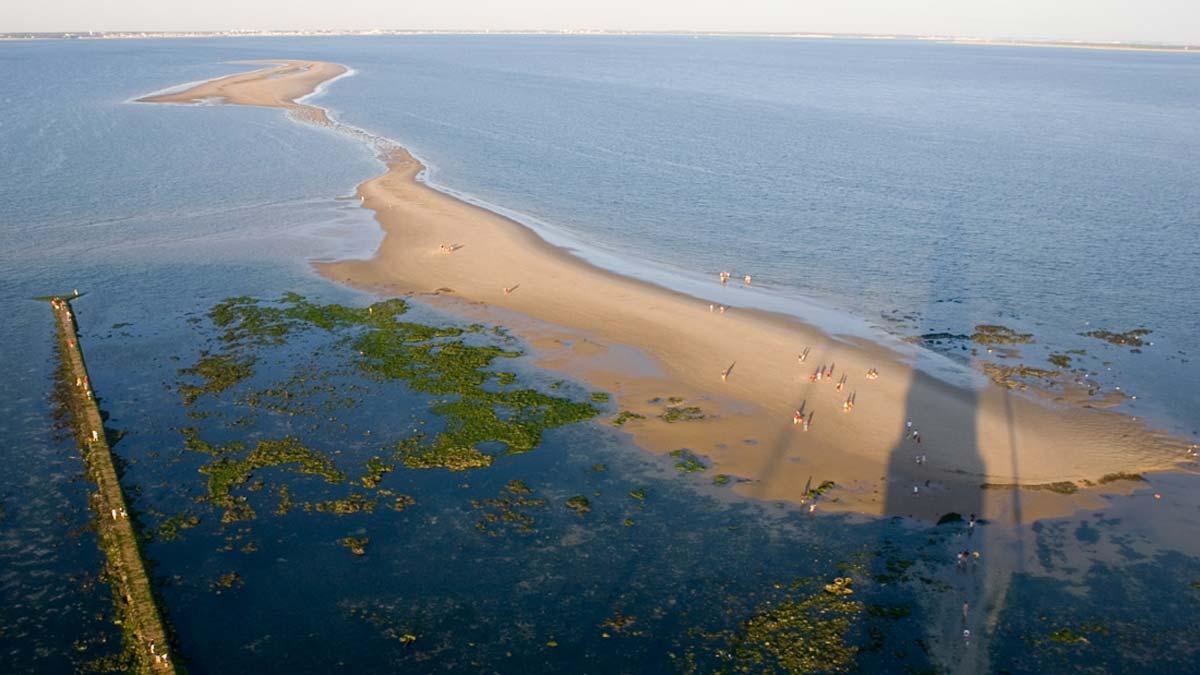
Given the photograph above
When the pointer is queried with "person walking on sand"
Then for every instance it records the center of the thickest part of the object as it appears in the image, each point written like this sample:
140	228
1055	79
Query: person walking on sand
808	421
725	373
797	418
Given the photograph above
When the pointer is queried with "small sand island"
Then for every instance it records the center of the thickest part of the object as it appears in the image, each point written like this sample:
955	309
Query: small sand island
764	400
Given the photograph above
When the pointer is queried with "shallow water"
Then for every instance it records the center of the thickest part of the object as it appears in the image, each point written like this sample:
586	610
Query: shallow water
887	142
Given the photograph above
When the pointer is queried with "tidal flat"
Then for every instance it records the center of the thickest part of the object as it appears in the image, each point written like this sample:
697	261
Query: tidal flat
375	473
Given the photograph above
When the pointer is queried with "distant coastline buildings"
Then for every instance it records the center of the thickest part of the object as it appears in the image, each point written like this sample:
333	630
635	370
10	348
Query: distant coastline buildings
1021	42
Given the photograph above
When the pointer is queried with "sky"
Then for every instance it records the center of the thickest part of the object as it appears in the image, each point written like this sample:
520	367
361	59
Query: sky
1166	21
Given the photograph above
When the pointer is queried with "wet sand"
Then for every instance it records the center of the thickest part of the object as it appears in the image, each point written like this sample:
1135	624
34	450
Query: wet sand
650	346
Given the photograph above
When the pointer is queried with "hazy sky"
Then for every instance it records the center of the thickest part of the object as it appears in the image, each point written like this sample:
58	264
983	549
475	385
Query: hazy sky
1175	21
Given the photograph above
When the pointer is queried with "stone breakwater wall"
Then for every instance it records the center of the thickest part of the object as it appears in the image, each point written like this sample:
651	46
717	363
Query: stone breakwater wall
139	615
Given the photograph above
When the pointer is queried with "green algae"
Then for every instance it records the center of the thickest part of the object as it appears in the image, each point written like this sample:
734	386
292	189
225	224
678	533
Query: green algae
599	396
579	504
991	334
357	545
1061	487
936	338
355	502
821	489
170	528
1010	376
248	322
226	582
401	502
721	479
687	461
430	359
802	632
1130	338
1068	636
228	472
681	413
1121	475
417	456
617	623
285	501
639	494
510	510
376	470
193	443
624	416
1060	360
217	373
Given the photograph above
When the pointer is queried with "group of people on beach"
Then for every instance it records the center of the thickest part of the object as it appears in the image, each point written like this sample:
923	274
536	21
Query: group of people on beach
725	276
800	419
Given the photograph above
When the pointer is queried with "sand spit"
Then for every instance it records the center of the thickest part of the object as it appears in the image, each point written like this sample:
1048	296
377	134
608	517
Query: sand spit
659	350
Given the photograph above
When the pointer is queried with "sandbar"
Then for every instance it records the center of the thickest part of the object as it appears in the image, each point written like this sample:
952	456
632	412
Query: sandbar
655	348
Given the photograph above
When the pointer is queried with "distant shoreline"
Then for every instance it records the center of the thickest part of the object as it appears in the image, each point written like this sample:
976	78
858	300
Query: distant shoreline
942	39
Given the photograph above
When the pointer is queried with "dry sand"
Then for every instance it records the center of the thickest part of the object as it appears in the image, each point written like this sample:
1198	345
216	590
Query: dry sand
646	344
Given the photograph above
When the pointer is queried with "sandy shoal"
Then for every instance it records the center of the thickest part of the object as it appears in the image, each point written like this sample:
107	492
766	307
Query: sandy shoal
647	344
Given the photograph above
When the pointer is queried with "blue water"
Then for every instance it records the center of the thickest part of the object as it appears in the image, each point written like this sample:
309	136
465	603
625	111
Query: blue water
1049	190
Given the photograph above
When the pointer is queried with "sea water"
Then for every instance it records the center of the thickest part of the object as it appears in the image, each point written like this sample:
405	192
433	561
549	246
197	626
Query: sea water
1048	190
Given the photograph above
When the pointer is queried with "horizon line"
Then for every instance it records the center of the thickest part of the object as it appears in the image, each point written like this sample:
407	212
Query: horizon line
267	32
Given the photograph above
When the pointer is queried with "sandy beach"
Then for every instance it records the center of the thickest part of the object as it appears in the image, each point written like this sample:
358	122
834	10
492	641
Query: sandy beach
656	349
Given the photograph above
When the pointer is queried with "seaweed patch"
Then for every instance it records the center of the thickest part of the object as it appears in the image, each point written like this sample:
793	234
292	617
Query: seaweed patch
803	631
1130	338
512	509
687	461
991	334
